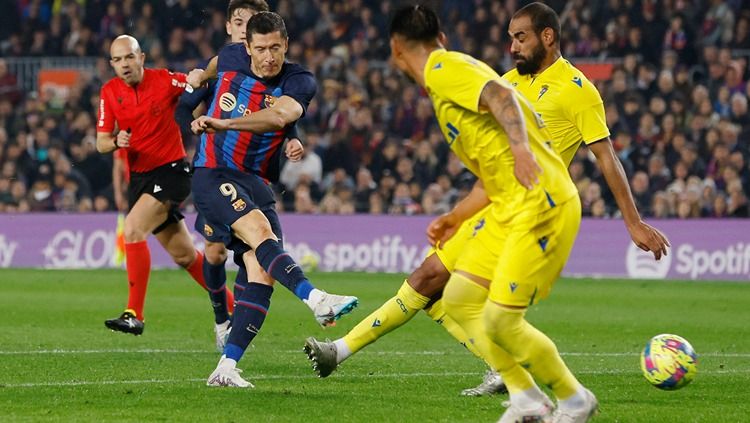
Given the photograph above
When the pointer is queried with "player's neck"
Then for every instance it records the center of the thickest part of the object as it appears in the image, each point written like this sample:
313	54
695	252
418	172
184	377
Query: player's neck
549	60
419	61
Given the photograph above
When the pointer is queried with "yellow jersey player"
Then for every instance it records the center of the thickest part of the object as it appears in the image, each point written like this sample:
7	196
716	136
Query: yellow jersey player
527	233
423	288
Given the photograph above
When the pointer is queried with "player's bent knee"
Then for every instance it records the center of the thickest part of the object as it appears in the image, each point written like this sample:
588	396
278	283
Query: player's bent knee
184	259
502	323
430	277
215	253
253	228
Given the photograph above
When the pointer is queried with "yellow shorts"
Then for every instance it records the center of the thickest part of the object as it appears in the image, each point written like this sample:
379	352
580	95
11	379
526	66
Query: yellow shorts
522	261
449	252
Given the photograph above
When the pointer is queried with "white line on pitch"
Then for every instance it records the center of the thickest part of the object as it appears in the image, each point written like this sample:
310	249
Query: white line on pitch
311	377
405	353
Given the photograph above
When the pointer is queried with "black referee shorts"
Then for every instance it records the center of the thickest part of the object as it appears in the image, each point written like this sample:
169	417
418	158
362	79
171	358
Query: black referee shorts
169	183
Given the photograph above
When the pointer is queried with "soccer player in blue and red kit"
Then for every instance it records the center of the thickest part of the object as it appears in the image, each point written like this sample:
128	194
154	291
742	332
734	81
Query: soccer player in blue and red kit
136	113
258	96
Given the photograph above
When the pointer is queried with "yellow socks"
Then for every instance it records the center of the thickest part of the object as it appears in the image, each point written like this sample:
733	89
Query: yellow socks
530	347
392	314
464	301
437	313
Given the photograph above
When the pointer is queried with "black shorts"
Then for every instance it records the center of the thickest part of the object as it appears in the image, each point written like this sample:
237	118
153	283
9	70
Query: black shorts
224	195
169	183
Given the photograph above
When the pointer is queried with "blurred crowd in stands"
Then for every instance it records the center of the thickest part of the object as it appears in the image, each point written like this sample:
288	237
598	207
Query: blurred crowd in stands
676	101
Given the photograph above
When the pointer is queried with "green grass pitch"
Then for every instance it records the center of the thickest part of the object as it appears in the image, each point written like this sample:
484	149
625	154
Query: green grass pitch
59	363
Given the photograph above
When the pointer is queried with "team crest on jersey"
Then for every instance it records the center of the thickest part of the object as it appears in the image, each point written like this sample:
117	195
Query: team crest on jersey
239	205
208	230
227	102
156	109
269	100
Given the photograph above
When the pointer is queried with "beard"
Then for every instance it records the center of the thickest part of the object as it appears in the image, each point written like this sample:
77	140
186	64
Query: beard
530	65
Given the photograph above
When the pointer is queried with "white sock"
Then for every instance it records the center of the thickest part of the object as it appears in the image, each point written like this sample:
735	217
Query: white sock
342	350
529	399
574	402
314	298
227	362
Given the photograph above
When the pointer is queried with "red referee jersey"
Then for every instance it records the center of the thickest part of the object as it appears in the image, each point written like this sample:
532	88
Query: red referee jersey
148	111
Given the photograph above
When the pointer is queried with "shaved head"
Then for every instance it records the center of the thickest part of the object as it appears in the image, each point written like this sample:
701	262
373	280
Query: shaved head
127	59
127	42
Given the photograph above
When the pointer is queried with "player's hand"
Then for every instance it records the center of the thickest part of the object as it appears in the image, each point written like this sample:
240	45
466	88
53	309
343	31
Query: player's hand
121	203
526	169
209	125
648	238
294	150
442	229
122	140
195	78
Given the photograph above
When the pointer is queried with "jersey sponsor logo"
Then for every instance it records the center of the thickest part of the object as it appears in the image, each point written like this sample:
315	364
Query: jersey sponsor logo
176	83
641	264
208	230
239	205
578	81
227	102
544	89
157	188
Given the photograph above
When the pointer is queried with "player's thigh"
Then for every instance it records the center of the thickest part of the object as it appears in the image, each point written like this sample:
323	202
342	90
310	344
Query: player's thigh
177	241
144	217
221	198
449	252
534	256
253	228
481	249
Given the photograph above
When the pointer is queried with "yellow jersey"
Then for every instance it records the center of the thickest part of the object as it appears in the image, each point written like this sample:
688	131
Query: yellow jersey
454	81
567	102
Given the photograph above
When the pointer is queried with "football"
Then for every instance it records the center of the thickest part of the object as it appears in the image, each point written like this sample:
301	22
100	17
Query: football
669	362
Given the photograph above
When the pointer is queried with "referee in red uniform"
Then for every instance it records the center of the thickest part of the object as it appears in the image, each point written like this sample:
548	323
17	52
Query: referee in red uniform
136	113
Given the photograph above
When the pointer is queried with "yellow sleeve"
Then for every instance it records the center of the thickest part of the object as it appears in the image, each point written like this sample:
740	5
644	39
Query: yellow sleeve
460	80
587	112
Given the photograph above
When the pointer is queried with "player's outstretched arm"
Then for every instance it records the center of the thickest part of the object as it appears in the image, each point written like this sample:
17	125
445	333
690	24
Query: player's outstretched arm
284	112
446	225
504	106
644	235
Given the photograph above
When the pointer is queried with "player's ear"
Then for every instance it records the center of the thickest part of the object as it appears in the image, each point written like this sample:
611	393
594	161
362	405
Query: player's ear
286	44
228	27
548	36
442	39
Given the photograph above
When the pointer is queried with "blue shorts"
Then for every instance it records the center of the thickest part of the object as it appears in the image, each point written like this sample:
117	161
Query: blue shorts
222	196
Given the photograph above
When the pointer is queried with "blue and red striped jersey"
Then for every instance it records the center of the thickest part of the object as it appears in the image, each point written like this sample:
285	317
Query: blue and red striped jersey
238	92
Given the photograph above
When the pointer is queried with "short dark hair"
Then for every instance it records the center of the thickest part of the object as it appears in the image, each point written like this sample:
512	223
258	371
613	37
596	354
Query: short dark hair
265	23
416	23
542	16
254	5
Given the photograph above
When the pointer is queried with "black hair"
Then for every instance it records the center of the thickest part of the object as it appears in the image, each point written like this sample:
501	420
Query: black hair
265	23
542	17
415	23
254	5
